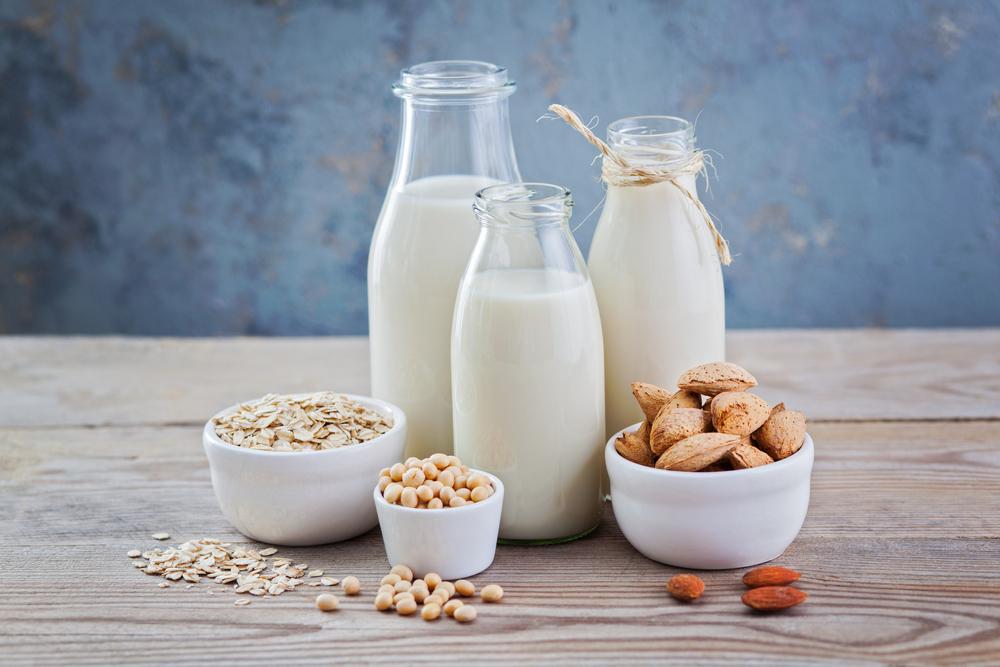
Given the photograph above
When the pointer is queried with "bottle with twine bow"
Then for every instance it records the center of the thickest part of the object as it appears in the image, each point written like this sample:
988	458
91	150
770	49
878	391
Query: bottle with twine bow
655	260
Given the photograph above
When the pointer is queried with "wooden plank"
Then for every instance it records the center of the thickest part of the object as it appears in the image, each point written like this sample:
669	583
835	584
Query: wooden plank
590	602
874	374
95	381
829	375
889	586
84	485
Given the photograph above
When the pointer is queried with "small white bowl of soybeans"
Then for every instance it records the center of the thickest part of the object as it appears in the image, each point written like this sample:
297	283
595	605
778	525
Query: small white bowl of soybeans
439	516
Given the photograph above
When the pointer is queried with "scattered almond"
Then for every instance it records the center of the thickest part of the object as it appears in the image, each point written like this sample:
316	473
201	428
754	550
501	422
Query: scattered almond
686	587
698	451
771	575
714	378
773	598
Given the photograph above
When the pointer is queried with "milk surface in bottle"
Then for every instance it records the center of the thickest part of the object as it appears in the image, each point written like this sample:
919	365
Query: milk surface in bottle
528	368
455	140
656	272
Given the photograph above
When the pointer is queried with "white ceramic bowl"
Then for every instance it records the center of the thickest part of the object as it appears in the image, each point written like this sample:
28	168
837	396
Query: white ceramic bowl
454	543
303	498
710	520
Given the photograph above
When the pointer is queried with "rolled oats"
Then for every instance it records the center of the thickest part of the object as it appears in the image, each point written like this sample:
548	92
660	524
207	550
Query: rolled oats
300	423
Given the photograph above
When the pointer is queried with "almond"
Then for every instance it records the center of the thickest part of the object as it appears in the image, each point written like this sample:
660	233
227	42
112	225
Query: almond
746	456
715	378
698	451
686	587
770	576
650	397
672	426
721	465
643	432
782	434
739	413
773	598
630	446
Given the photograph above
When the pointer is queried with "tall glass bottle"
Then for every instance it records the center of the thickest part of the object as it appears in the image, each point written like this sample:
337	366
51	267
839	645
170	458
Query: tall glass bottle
527	365
656	272
454	140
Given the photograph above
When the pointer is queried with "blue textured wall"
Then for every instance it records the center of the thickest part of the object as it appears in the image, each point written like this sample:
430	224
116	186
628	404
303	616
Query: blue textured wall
208	167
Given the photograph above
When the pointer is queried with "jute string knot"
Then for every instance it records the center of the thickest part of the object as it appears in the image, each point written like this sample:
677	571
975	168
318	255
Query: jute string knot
618	170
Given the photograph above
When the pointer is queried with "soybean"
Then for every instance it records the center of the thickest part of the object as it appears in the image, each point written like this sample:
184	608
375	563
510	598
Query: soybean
491	593
465	588
451	605
465	614
430	611
407	606
327	602
408	498
392	579
351	585
405	595
383	601
403	572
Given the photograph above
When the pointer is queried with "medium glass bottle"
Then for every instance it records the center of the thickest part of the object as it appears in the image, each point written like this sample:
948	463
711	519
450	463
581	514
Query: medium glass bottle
527	365
454	140
656	271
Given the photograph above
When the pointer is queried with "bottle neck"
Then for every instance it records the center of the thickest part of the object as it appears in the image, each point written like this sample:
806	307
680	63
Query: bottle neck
455	137
652	140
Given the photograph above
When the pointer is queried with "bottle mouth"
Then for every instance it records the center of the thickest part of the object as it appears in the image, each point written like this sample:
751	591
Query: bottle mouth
652	138
453	78
523	204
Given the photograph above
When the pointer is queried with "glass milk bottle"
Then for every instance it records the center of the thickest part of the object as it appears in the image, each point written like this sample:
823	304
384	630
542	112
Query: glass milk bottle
656	270
454	140
527	365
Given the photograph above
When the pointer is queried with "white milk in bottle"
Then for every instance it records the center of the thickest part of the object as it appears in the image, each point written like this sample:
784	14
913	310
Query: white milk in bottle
455	140
412	300
656	270
528	367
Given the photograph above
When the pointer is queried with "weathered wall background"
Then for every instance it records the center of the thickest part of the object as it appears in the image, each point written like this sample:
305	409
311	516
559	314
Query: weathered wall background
191	167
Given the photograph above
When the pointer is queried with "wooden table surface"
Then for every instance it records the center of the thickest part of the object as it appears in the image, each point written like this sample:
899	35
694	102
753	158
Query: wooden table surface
100	447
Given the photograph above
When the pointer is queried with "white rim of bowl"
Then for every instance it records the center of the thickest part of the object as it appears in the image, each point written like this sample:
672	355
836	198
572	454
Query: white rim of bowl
659	472
493	478
395	410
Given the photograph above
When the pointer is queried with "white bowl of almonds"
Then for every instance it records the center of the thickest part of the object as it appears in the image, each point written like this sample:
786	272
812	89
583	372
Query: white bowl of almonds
437	515
297	470
710	484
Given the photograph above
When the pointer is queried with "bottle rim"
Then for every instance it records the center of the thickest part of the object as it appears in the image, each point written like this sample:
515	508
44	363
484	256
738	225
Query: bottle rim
652	138
520	204
453	78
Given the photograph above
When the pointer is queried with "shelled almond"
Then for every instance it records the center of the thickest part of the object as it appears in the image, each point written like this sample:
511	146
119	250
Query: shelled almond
732	430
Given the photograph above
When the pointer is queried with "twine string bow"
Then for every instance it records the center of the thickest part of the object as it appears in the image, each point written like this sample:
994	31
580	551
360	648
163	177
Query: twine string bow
618	170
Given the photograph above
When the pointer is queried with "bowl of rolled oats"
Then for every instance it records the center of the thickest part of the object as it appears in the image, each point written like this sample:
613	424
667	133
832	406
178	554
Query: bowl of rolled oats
298	469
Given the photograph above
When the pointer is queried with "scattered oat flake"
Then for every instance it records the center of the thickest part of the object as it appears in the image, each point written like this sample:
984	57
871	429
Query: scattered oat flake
164	584
161	536
327	581
240	603
316	573
222	563
135	553
269	551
